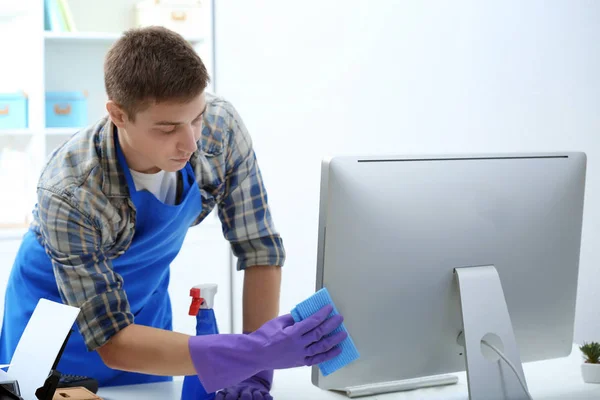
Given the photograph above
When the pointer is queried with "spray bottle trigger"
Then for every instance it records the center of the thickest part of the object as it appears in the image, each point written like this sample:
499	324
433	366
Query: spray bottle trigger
196	301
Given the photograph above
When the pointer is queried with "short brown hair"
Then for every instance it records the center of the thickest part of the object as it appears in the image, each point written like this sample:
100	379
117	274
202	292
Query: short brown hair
152	64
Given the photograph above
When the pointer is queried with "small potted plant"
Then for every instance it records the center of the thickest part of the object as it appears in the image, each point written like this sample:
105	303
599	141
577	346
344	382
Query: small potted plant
590	369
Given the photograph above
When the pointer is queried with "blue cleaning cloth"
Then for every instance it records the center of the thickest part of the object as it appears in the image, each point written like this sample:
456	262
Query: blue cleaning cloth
310	306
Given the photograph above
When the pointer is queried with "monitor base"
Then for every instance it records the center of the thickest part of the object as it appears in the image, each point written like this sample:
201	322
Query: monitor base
399	386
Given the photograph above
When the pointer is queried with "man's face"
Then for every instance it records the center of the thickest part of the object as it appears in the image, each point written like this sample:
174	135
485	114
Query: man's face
163	136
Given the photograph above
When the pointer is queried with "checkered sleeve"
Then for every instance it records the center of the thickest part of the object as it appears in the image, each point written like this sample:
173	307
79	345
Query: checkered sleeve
84	274
244	209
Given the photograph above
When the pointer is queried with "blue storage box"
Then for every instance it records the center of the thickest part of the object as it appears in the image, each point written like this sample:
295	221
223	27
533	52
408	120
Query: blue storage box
13	111
66	109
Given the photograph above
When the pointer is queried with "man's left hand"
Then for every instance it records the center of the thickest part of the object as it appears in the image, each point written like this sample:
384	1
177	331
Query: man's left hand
256	387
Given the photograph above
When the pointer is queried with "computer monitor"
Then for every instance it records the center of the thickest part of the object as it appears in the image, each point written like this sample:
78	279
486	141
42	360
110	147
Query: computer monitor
410	247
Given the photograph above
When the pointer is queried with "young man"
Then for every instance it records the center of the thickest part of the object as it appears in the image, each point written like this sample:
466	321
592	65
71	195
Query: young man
114	206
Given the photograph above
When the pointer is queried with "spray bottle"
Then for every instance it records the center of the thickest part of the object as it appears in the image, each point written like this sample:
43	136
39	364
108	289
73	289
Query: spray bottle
206	324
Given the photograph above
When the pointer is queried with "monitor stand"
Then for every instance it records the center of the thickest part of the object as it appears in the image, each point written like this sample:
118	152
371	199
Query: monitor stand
485	317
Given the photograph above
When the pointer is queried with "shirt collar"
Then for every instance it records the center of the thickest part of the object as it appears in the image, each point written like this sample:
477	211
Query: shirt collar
114	182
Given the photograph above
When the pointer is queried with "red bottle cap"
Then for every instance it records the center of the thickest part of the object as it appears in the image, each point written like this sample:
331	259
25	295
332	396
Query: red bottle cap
196	301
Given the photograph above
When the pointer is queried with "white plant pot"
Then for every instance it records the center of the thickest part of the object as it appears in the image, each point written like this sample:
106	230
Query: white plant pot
590	373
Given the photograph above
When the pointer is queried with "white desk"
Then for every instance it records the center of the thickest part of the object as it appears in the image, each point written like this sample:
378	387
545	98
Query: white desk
555	379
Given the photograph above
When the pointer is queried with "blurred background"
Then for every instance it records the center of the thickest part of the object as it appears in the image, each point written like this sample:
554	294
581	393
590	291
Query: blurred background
313	79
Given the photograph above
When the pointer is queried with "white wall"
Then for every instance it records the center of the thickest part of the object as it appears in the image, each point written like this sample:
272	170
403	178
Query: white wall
319	77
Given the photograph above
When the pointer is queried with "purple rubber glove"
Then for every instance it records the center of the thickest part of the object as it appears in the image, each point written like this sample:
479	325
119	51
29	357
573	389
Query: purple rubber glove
227	359
256	387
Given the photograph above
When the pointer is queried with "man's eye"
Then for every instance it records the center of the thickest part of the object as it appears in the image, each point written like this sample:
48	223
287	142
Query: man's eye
171	130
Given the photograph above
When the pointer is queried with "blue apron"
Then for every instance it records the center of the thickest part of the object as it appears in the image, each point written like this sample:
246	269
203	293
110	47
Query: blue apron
159	233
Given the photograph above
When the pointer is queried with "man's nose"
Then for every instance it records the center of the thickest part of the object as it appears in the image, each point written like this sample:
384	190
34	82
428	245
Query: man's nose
188	139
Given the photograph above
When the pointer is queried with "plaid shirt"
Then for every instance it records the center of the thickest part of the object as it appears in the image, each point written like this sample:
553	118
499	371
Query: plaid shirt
85	218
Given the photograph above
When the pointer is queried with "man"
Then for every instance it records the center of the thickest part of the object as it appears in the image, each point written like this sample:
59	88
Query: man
114	205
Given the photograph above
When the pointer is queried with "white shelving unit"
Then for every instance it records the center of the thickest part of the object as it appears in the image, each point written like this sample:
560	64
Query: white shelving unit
73	61
48	61
75	37
60	131
15	132
102	37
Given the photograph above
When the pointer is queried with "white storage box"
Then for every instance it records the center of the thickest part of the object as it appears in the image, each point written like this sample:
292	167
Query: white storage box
190	19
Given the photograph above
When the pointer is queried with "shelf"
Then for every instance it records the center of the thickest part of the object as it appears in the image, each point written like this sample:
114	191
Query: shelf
47	131
61	131
78	37
15	132
99	37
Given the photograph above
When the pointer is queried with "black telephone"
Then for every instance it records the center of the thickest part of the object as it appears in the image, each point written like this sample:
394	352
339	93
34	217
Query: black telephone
11	393
67	381
57	380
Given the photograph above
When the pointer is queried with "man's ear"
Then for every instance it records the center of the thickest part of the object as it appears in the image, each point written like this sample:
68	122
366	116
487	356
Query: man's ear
116	113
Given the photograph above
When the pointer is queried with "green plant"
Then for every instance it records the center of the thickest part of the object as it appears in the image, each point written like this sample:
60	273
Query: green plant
591	352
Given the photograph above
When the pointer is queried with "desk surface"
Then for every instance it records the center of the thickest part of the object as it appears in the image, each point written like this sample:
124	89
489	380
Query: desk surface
547	380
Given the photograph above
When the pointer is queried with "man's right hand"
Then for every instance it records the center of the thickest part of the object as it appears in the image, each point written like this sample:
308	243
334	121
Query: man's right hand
227	359
286	344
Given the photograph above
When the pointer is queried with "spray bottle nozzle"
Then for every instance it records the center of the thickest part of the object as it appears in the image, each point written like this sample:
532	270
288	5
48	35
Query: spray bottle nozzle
196	301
